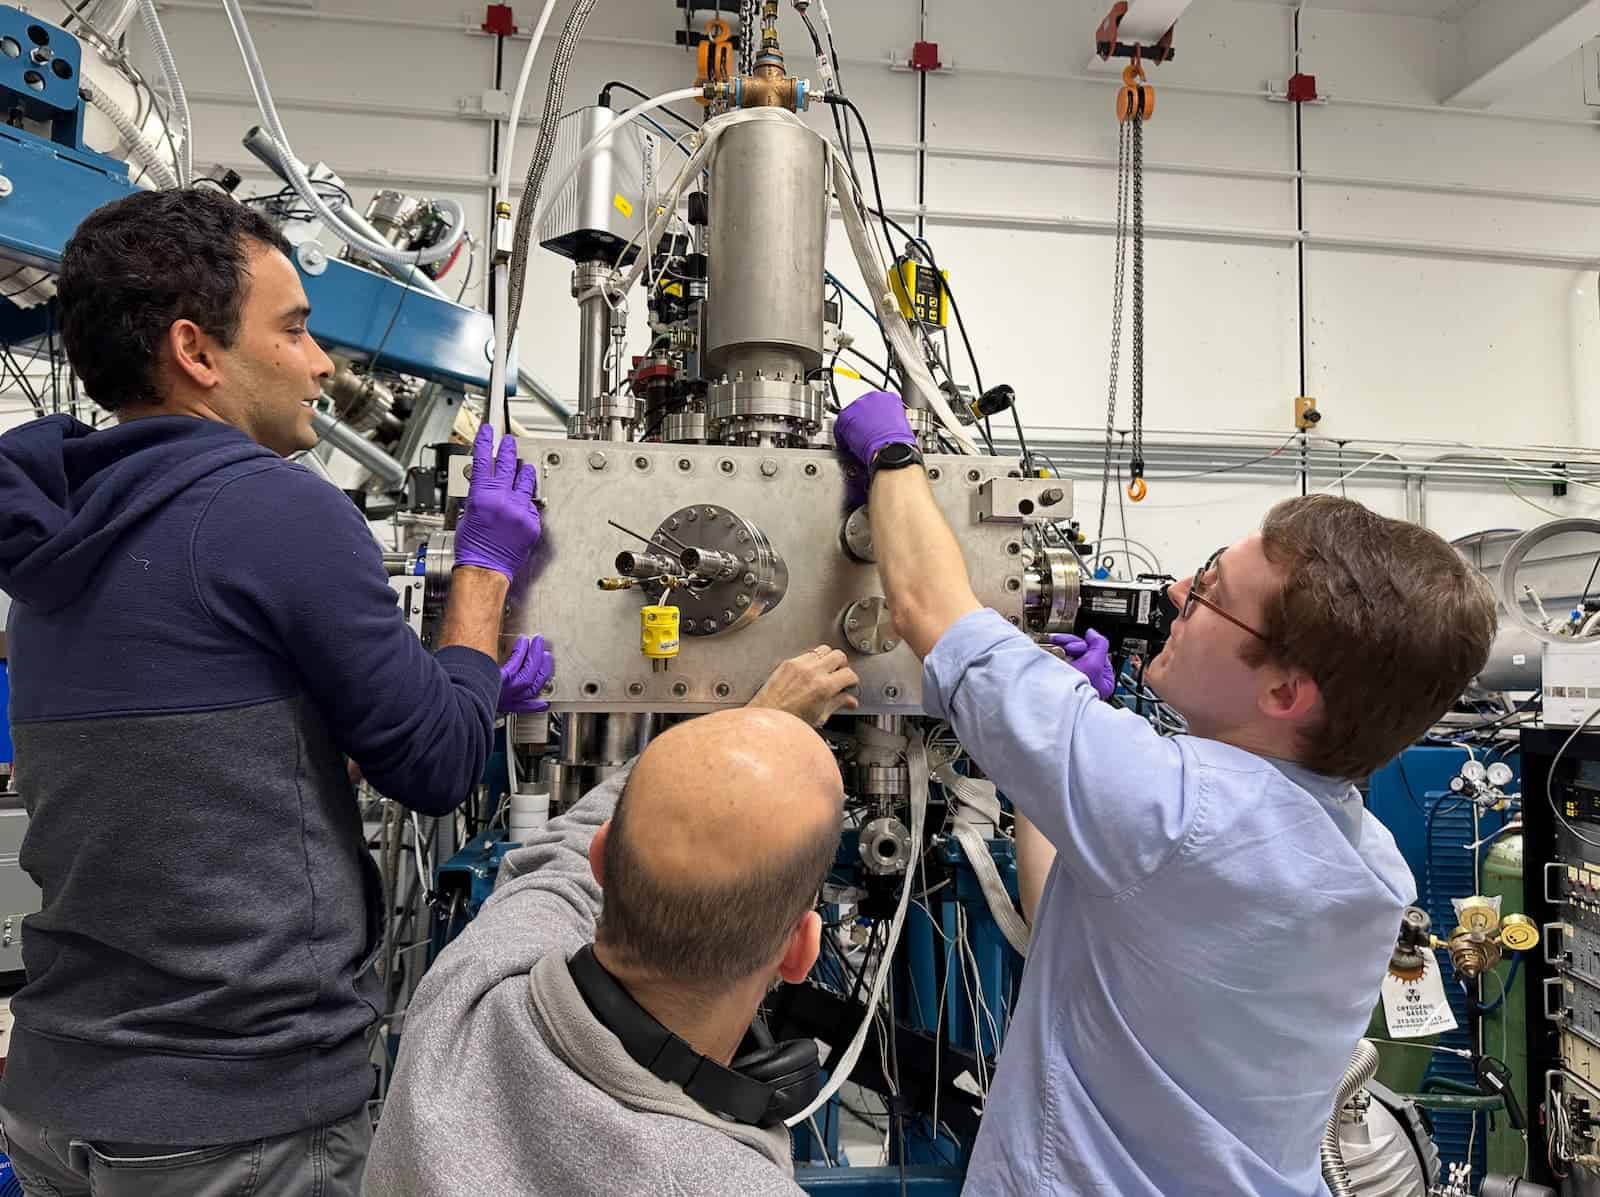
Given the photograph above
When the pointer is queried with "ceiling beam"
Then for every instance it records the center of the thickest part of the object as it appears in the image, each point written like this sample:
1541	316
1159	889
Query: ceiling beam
1503	45
1148	20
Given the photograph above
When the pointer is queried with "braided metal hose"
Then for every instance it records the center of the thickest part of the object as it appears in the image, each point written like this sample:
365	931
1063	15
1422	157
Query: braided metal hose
554	99
1362	1068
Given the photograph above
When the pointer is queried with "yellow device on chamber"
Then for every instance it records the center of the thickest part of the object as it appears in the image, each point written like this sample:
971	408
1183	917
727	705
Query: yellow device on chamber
658	634
921	293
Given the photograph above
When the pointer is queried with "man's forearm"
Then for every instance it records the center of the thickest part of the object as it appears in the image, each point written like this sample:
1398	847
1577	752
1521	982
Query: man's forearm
475	610
924	576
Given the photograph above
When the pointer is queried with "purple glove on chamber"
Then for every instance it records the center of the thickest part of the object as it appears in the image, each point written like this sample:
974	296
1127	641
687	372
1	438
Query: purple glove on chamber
1090	657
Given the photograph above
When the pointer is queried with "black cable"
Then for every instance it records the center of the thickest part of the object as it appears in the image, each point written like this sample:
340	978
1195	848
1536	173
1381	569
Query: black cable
1400	764
872	164
605	101
888	382
1587	585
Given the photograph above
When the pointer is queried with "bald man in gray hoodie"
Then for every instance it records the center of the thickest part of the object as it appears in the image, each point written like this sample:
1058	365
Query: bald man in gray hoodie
710	864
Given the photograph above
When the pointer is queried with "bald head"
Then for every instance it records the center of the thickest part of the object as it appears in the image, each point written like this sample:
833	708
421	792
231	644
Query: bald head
719	845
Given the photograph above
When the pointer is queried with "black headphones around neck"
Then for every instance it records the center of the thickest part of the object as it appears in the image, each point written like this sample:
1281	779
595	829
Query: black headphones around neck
761	1088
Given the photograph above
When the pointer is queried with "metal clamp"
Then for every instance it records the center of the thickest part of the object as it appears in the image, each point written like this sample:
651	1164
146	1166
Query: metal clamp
1550	956
1558	1014
1560	868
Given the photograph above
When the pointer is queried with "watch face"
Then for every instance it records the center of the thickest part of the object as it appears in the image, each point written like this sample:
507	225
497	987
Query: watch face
896	455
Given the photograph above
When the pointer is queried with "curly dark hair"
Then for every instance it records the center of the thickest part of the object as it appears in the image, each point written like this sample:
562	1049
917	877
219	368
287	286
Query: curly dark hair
141	262
1390	621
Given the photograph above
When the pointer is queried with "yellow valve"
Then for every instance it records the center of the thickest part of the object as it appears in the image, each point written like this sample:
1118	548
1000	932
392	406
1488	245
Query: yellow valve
658	634
1519	933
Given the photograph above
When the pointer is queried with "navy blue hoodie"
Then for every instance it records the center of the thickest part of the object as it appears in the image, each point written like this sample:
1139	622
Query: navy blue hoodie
201	633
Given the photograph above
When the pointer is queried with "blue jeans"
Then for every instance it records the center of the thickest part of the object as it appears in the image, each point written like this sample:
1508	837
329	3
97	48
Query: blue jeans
325	1161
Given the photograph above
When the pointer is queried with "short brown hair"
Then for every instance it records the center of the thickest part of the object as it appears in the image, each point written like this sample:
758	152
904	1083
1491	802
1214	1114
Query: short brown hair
705	935
1388	619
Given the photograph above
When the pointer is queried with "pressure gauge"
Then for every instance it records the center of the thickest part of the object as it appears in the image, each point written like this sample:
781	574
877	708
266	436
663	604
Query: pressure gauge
1499	774
1475	772
1457	785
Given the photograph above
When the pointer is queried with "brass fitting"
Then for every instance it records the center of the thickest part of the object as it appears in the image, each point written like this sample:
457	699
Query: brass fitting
768	87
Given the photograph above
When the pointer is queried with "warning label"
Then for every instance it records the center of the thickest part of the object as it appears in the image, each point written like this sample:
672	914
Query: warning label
1417	1008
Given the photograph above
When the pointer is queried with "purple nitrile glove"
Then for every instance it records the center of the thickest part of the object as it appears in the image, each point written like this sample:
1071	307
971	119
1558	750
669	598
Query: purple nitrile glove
524	675
500	524
876	419
1091	657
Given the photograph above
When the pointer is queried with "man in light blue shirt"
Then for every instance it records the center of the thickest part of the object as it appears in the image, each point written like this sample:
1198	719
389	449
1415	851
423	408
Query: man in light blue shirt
1211	937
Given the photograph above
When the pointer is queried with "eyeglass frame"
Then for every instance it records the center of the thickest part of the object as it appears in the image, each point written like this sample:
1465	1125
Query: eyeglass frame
1194	596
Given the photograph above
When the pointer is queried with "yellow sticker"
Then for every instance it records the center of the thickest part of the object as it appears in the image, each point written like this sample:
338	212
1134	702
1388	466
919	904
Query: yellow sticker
622	205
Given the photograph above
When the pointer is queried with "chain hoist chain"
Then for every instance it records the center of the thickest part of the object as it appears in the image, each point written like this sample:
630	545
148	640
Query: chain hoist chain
749	35
1119	272
1136	464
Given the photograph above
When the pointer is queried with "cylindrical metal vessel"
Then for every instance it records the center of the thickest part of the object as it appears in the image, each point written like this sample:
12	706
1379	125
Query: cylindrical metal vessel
769	230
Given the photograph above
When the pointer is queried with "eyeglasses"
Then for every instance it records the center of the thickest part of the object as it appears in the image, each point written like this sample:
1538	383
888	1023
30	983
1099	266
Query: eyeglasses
1196	595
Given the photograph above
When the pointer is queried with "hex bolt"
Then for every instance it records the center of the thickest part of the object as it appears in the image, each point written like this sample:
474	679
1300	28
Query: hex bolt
727	617
891	692
744	538
635	689
672	524
769	468
725	465
749	579
689	625
597	461
742	601
890	645
852	623
679	689
750	557
691	515
1052	496
1013	547
811	469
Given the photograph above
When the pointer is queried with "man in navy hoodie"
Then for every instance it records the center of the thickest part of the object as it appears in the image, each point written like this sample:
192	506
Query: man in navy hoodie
202	634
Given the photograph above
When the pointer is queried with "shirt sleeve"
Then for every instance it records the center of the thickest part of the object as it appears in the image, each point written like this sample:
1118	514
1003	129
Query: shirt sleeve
1112	795
284	558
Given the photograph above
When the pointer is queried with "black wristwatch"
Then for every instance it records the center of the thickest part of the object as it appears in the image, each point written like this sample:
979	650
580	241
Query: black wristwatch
897	456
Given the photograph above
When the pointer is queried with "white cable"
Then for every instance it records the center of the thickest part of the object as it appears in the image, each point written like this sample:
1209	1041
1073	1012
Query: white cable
840	1069
508	143
380	251
422	875
180	99
1011	924
1551	773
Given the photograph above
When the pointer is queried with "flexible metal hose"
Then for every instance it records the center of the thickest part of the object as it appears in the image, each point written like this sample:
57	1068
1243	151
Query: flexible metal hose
1363	1067
143	150
544	148
180	100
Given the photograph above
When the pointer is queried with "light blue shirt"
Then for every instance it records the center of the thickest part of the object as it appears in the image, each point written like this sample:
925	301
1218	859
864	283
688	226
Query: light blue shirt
1208	948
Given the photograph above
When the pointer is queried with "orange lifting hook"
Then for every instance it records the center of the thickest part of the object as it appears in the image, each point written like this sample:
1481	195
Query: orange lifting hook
1136	99
1137	490
716	54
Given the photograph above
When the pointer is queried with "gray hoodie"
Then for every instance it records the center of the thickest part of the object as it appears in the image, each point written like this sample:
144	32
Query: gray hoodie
508	1085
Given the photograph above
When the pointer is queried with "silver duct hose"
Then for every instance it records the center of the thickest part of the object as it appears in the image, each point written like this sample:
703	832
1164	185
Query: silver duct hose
142	149
543	150
169	72
1363	1067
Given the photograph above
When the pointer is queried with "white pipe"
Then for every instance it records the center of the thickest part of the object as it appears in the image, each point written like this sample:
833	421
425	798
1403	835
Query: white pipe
380	250
138	145
169	72
500	301
508	145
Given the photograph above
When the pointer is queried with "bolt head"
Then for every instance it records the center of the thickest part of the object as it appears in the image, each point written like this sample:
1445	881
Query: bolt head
742	601
727	617
768	468
597	461
890	645
749	579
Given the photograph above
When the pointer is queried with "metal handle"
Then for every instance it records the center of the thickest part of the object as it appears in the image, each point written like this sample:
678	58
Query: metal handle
1559	867
1550	930
1553	1015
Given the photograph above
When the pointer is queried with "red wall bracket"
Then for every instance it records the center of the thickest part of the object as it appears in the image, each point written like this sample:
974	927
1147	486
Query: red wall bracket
925	56
499	20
